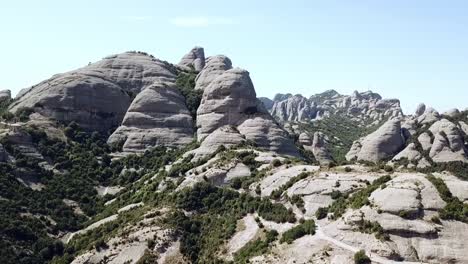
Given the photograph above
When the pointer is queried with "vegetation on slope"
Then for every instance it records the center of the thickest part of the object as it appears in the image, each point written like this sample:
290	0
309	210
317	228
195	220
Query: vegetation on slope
454	209
342	131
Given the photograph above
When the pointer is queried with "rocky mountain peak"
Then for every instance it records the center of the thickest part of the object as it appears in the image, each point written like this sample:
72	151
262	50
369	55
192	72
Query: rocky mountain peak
194	59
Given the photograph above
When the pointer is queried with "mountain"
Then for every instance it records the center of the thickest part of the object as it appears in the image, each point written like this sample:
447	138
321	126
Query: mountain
132	159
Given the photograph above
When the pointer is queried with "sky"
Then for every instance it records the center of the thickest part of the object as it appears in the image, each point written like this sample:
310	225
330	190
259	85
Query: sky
416	51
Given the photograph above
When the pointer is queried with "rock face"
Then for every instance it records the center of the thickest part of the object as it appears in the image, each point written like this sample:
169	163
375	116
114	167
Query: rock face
157	116
194	59
230	100
289	108
98	95
317	145
214	67
5	95
319	149
295	108
267	102
448	142
382	144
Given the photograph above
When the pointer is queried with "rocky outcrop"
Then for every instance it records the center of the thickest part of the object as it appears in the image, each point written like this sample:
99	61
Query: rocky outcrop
226	101
295	108
214	67
98	95
5	95
365	105
382	144
429	116
267	102
157	116
195	59
230	100
451	112
420	109
410	153
3	154
318	146
448	142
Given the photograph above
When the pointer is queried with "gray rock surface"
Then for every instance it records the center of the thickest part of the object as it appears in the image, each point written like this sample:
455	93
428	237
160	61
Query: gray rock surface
420	109
98	95
289	108
3	154
429	116
448	142
410	153
5	95
319	149
382	144
267	102
295	108
214	67
194	59
451	112
230	100
157	116
426	141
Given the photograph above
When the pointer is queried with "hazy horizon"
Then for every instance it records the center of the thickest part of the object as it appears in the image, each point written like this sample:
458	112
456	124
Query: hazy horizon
416	52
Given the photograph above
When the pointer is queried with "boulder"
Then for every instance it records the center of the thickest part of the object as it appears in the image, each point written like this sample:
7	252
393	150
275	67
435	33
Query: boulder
157	116
448	142
420	109
380	145
267	102
194	59
410	153
226	101
214	67
5	95
224	136
305	140
451	112
3	154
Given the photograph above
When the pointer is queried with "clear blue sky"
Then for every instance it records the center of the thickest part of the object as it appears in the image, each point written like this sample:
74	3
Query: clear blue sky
416	50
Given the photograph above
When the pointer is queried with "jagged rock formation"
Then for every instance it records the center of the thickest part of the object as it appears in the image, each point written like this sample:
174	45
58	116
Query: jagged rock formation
215	66
157	116
382	144
98	95
319	149
296	108
194	59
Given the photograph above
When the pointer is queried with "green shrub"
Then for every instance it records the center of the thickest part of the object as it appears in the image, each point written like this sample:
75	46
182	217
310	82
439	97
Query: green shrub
276	163
360	257
305	228
321	213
